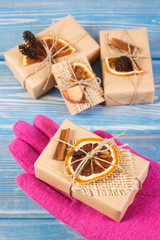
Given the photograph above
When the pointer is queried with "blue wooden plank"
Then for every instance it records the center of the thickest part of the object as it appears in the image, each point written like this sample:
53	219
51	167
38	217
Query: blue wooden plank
16	103
90	19
37	229
63	6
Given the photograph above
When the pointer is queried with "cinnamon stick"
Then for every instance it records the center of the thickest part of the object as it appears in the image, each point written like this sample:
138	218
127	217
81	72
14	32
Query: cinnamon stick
60	151
115	42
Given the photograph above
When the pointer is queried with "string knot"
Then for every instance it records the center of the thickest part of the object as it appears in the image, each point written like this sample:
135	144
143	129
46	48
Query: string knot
73	81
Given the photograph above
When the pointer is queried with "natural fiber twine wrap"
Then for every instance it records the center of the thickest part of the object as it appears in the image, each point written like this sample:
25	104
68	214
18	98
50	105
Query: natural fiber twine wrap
62	74
117	183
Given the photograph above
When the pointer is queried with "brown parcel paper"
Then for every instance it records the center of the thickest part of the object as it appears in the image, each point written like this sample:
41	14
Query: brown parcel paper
62	74
69	29
121	89
52	172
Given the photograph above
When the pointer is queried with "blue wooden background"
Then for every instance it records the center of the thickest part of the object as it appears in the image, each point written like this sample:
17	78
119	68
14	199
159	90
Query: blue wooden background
20	217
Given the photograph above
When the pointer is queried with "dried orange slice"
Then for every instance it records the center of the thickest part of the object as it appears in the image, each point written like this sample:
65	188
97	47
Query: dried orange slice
82	71
94	169
111	66
41	51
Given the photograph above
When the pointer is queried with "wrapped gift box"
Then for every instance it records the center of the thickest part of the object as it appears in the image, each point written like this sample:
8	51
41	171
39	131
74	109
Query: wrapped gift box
52	172
131	89
68	29
62	74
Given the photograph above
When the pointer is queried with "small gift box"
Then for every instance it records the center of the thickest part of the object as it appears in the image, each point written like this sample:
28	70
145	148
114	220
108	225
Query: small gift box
96	171
78	84
126	67
33	67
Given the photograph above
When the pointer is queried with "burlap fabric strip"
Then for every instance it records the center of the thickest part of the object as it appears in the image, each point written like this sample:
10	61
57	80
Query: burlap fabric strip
65	78
118	183
50	57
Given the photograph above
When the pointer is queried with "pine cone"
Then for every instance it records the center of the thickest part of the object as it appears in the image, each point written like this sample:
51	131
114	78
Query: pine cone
30	38
123	64
30	51
29	48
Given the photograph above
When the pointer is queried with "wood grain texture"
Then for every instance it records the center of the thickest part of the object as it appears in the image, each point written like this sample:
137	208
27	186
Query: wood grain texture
36	229
20	217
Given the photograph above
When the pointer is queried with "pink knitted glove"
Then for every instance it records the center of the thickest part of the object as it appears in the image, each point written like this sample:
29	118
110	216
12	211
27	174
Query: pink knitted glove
142	219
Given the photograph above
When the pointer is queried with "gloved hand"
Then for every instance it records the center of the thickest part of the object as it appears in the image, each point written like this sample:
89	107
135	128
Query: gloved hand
142	219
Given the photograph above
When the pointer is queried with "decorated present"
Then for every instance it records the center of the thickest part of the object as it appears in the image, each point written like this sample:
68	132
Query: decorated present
126	67
94	170
78	84
31	61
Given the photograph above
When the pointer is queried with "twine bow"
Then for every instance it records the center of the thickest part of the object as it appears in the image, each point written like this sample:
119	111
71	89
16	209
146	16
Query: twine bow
74	82
132	56
91	154
50	57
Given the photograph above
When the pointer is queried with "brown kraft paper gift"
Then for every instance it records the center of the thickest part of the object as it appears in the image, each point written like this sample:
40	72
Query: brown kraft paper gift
52	172
131	89
68	29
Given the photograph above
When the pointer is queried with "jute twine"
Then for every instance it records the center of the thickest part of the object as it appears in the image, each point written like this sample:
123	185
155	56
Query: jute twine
88	156
132	56
74	82
50	57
